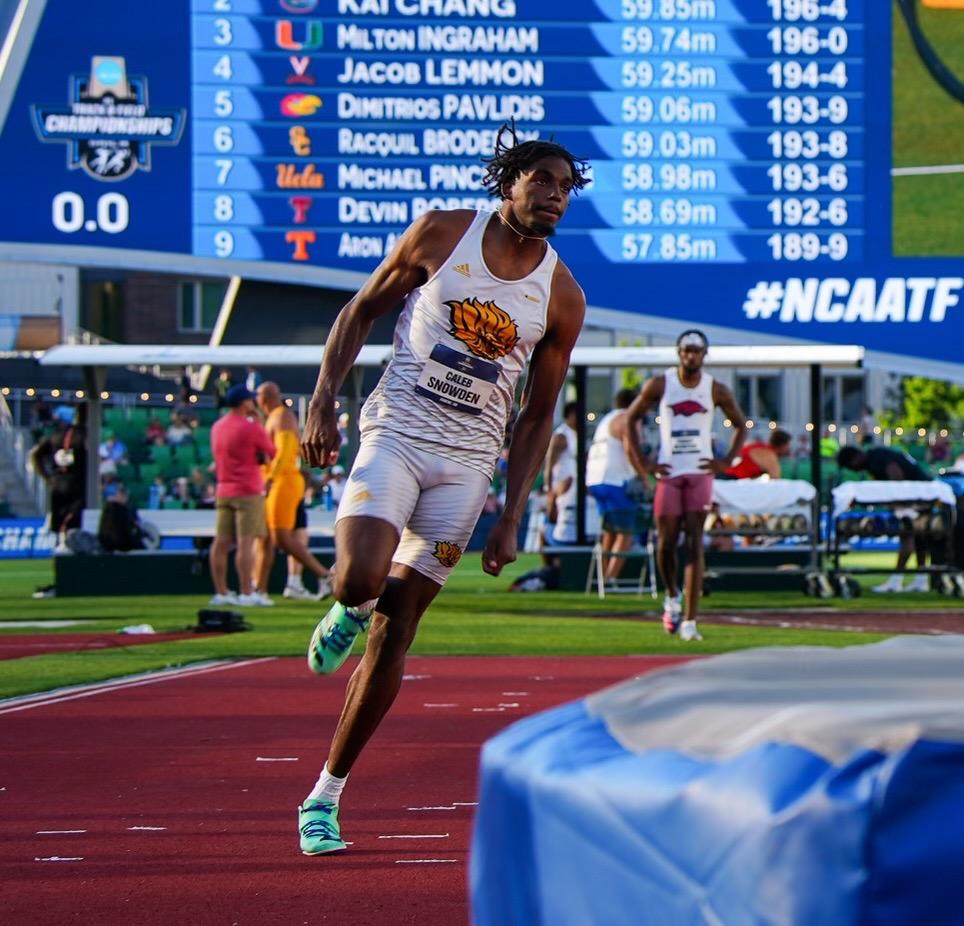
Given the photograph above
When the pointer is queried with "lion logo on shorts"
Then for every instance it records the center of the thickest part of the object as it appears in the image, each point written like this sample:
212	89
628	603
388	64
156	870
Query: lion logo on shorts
447	553
483	327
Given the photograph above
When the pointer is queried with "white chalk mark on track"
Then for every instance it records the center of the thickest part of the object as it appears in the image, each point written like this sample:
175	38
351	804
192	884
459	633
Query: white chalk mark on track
59	695
58	832
417	836
426	861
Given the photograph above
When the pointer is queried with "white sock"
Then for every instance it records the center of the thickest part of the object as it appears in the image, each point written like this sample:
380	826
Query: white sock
327	787
295	582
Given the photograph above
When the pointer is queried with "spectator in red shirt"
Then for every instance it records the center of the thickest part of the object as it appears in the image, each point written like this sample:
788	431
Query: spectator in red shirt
761	458
239	445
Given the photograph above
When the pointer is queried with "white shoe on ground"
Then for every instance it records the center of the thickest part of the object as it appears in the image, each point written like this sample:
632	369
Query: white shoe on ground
219	601
255	600
672	613
894	584
688	631
298	593
920	583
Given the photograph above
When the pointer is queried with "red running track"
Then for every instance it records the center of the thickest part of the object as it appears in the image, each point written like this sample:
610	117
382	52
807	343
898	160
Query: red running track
183	792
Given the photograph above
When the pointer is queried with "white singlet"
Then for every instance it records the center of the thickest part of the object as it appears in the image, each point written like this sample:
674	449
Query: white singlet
569	434
607	463
686	423
564	530
461	341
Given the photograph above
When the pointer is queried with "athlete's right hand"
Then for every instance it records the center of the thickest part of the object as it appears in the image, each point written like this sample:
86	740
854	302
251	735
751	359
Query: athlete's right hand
320	440
660	470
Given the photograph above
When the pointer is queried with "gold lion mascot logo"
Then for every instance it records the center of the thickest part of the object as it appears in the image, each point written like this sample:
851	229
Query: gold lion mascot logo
447	553
483	327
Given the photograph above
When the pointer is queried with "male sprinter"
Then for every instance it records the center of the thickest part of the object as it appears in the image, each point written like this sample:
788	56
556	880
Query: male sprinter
481	292
286	489
686	396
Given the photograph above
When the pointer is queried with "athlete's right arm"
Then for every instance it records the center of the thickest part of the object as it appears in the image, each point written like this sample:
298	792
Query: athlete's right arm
648	398
426	242
557	443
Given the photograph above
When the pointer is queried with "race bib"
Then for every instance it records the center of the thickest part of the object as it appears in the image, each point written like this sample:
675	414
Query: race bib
685	442
457	380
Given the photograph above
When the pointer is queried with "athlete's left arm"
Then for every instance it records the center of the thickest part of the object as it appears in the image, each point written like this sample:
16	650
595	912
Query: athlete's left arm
533	427
723	398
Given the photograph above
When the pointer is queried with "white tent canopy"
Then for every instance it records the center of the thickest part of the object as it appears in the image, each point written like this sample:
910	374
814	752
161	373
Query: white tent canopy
374	355
95	358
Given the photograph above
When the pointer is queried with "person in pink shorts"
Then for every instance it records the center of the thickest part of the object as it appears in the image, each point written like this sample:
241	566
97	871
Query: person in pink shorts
686	396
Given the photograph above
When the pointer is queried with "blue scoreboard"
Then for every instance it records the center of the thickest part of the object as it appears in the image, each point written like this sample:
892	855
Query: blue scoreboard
740	149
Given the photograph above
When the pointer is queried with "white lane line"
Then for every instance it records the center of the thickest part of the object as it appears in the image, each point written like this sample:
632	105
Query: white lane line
25	702
514	694
924	171
440	705
43	624
147	829
59	858
57	832
414	678
442	807
541	678
417	836
510	704
426	861
277	759
466	803
487	710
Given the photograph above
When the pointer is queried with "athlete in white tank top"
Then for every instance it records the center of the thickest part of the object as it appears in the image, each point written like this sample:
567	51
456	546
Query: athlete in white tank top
686	423
686	396
607	463
481	292
461	341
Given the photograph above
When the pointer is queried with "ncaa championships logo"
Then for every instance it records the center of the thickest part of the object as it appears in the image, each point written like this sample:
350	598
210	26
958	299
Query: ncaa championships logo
108	124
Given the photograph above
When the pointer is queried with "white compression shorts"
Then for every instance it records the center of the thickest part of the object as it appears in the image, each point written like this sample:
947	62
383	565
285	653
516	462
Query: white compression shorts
433	503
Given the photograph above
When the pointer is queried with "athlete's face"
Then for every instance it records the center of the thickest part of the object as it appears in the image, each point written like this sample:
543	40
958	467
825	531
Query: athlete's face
540	196
691	357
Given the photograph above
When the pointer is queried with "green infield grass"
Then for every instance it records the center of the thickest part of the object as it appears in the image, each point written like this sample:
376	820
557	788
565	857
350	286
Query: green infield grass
928	130
474	615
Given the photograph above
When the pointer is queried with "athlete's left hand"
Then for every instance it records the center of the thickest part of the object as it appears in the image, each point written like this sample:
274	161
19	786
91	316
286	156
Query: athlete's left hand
716	467
500	547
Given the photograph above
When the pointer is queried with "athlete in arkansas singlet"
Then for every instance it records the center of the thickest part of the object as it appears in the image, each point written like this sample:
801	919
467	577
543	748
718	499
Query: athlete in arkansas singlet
461	341
685	396
686	424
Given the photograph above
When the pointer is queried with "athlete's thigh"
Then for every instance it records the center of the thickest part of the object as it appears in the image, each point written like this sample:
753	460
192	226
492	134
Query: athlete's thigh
697	493
442	522
668	500
384	484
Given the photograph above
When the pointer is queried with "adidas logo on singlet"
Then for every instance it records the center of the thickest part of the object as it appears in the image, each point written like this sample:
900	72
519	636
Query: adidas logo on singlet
463	269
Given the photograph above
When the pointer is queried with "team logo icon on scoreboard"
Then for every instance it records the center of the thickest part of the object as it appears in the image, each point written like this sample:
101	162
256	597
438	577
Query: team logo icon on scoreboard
296	105
108	124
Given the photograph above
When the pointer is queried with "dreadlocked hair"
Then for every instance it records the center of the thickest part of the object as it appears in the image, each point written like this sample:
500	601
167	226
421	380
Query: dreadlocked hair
510	161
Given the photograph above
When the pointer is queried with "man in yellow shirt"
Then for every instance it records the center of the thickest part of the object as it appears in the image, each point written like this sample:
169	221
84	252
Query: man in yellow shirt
286	489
